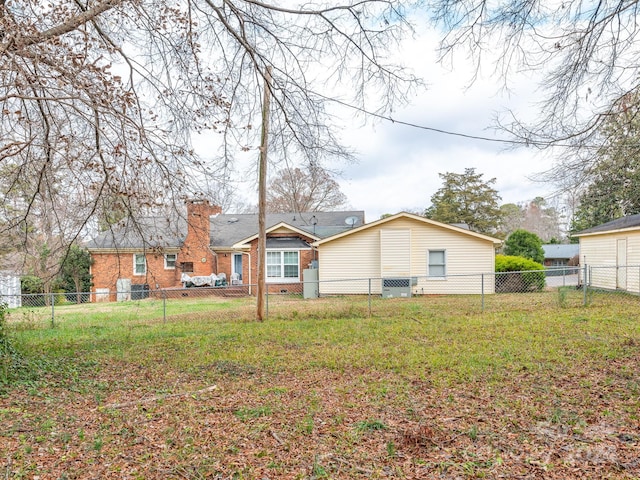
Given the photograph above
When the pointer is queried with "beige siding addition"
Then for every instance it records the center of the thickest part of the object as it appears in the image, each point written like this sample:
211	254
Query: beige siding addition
399	248
613	260
395	253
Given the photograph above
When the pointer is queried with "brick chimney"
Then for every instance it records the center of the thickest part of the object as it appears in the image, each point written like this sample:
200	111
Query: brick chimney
196	245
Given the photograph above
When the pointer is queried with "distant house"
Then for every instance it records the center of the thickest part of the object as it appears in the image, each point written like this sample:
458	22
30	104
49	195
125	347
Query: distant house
557	256
164	253
612	253
10	292
431	257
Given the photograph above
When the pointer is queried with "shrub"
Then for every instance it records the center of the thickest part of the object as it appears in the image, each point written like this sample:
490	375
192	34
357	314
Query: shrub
31	284
7	352
518	274
526	244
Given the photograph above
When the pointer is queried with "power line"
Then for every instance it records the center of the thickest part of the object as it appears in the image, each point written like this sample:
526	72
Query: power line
524	143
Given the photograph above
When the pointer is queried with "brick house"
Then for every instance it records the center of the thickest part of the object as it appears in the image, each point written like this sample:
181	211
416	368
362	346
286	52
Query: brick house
157	252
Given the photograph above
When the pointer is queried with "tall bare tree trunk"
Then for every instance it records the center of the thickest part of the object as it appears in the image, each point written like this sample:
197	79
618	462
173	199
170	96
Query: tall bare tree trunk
262	199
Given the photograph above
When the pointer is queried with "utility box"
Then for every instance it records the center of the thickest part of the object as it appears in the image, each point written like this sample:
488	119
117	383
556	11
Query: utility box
139	292
310	284
123	290
397	287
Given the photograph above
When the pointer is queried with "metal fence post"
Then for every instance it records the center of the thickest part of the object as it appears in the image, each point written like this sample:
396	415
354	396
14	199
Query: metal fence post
164	306
584	286
369	297
482	290
53	311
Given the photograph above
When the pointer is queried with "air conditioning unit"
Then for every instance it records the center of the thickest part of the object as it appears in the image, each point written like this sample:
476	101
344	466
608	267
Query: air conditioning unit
139	292
397	287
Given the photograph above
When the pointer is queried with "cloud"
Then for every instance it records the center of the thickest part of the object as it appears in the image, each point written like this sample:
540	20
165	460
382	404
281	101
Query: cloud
399	165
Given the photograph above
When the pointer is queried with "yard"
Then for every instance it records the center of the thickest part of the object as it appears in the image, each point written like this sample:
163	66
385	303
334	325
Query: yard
425	388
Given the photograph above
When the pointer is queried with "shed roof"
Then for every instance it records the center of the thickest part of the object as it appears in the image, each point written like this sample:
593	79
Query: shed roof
623	223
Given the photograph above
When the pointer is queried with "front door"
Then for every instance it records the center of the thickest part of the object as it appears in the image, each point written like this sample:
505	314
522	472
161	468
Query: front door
236	268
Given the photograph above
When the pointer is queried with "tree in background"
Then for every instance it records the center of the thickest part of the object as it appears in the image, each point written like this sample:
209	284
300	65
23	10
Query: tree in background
586	55
511	218
312	189
75	273
612	178
542	219
522	243
466	198
535	216
100	99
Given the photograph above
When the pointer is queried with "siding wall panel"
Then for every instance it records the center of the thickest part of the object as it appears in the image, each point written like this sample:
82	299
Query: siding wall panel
599	252
358	256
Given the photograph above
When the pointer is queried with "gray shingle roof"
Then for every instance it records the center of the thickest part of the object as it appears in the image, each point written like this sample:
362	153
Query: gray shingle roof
226	229
629	221
145	232
561	251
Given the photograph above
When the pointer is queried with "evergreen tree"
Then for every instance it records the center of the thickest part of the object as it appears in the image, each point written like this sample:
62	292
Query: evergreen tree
522	243
75	275
466	198
613	178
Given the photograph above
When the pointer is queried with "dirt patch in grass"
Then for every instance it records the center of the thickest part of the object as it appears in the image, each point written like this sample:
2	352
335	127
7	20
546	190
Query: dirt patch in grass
128	421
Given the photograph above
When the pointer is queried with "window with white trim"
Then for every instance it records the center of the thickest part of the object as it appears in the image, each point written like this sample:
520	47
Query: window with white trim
437	263
139	264
170	261
283	266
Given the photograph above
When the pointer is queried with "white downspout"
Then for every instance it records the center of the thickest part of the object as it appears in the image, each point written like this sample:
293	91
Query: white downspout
249	255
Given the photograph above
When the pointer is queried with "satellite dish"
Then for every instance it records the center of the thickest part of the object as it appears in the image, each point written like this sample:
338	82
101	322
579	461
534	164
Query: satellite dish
351	221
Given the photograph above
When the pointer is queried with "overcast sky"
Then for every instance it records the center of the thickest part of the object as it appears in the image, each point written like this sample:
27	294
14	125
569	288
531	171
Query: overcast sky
398	165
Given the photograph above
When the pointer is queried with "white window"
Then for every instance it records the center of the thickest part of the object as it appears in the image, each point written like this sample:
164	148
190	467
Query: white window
170	261
437	264
139	264
283	266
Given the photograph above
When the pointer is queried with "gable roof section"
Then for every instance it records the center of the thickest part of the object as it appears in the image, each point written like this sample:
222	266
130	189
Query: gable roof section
228	230
412	216
630	222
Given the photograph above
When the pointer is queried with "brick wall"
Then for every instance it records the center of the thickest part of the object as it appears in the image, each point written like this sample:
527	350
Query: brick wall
224	265
196	245
108	267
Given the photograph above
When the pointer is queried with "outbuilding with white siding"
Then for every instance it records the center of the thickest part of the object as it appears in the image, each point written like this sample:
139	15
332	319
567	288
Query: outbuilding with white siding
10	289
437	258
611	252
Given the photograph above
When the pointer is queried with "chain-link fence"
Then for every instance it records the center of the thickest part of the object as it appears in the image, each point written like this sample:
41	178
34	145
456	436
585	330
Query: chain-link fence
564	287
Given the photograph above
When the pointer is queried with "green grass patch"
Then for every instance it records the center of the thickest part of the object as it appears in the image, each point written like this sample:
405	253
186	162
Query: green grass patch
314	394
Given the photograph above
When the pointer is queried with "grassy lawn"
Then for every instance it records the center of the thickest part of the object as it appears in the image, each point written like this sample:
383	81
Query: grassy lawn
425	388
